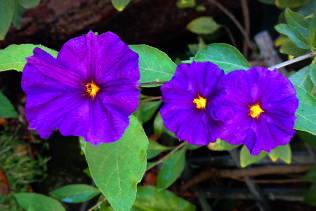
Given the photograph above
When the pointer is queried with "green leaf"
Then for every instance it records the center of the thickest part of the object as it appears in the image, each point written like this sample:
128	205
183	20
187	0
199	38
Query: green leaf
312	71
283	152
120	4
221	145
18	10
159	127
200	8
247	159
117	168
307	137
171	169
150	198
155	148
308	8
291	49
154	65
203	25
310	176
75	193
182	4
294	35
297	21
13	57
146	110
6	14
193	147
38	202
312	32
194	48
29	3
225	56
268	1
289	3
310	196
302	79
6	108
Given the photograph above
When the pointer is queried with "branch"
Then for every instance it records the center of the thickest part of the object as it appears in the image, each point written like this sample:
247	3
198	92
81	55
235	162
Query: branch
245	13
99	203
297	59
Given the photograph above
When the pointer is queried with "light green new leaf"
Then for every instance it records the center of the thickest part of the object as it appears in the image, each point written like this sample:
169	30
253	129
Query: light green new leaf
221	145
182	4
27	4
146	110
283	152
302	79
225	56
38	202
289	3
6	108
6	14
247	159
120	4
312	71
117	168
154	65
297	21
75	193
310	176
290	48
203	25
155	148
310	196
150	198
294	35
312	32
13	57
171	169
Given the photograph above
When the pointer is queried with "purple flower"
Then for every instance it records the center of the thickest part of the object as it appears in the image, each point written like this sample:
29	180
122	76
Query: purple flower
260	107
89	90
191	98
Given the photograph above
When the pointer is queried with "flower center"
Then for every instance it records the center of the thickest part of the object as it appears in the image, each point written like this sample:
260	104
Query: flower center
255	111
92	89
200	102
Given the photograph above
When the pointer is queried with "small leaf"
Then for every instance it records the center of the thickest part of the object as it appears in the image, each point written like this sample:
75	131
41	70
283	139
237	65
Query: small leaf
18	10
155	148
27	4
294	35
151	198
171	169
75	193
283	152
291	49
302	79
38	202
6	14
120	4
203	25
225	56
194	48
182	4
310	196
310	176
297	21
6	108
193	147
117	168
221	145
247	159
154	65
200	8
307	137
146	110
289	3
13	57
312	71
159	127
268	1
312	32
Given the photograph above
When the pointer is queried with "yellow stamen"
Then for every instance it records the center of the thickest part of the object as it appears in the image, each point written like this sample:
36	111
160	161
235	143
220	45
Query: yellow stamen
92	89
200	102
255	111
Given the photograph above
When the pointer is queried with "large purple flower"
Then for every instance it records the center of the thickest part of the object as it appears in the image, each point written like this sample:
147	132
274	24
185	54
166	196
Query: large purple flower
191	99
260	107
89	90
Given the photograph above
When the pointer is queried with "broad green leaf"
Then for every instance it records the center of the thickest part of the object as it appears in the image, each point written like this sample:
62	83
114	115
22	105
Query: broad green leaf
118	167
159	127
146	110
283	152
312	32
155	148
297	21
6	14
150	198
225	56
203	25
185	4
291	49
193	147
294	35
120	4
307	137
310	176
289	3
154	65
310	196
302	79
247	159
308	8
18	10
6	108
13	57
38	202
312	71
221	145
75	193
29	3
171	169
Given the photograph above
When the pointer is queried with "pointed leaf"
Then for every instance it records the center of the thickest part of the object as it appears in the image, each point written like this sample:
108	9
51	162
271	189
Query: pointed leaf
283	152
297	38
297	21
203	25
312	32
6	108
310	196
6	14
154	65
146	110
221	145
117	168
18	10
291	49
247	159
154	149
302	79
120	4
75	193
38	202
159	127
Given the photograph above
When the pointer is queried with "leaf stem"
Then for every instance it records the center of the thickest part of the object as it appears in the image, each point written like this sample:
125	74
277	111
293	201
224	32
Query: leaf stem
300	58
153	83
166	156
99	203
